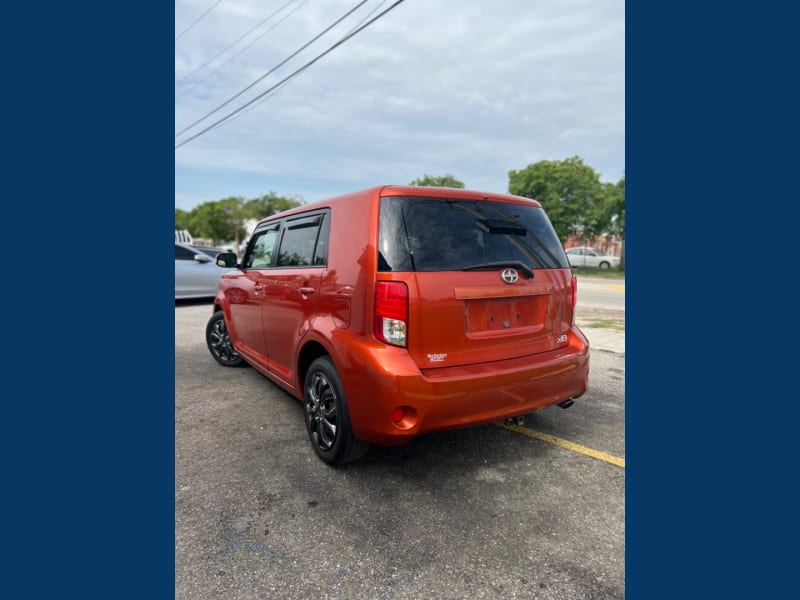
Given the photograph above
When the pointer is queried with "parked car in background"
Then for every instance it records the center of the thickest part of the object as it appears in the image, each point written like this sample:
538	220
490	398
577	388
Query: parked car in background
585	256
196	275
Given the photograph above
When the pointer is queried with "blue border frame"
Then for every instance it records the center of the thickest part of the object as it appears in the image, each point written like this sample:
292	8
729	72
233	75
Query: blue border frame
710	460
88	419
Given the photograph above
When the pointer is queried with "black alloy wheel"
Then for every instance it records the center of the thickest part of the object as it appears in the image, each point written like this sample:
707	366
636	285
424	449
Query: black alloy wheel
321	412
219	342
327	417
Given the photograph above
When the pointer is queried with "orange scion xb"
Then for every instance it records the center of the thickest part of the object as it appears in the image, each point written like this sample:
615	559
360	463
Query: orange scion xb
401	310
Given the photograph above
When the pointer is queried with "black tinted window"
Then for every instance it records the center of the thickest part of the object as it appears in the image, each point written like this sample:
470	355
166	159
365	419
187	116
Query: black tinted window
432	234
321	253
299	243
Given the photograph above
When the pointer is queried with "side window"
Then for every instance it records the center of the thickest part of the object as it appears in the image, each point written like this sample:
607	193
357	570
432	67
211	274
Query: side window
300	241
182	253
321	253
260	253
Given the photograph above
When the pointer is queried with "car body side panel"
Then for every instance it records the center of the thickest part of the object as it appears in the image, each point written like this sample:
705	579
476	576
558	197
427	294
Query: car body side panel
243	295
289	306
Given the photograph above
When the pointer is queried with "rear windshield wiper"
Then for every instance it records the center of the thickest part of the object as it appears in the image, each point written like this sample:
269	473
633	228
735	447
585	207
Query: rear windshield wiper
490	266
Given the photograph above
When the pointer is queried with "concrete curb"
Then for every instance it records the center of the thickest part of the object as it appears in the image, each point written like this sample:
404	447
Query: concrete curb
609	340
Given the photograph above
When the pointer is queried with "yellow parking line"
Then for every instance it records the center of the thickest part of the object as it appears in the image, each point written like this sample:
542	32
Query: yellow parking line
619	288
551	439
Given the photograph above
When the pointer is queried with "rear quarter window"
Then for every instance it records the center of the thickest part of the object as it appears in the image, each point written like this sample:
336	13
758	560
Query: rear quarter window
304	241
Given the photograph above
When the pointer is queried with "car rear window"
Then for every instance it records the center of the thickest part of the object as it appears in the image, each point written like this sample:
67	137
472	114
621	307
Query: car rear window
435	234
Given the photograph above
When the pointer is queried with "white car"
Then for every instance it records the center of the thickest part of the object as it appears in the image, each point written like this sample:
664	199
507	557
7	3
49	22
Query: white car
585	256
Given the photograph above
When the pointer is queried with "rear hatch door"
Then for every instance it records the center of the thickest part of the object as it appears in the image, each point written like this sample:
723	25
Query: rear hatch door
487	280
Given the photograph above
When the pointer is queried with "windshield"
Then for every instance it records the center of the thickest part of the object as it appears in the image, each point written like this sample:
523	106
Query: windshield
434	234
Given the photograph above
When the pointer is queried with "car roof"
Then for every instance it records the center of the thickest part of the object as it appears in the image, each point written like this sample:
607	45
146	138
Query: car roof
408	190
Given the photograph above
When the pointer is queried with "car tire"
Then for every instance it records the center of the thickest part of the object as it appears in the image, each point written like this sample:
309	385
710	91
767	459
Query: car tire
327	417
605	265
219	343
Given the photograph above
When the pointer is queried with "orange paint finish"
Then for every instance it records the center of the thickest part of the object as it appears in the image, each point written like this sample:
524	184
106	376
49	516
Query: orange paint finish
436	308
380	378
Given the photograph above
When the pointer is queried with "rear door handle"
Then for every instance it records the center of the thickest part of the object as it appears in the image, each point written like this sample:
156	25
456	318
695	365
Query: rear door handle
306	291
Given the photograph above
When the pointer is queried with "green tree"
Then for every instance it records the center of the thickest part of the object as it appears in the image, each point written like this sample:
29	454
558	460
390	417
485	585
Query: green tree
612	213
226	219
219	220
181	219
614	207
568	190
269	204
441	181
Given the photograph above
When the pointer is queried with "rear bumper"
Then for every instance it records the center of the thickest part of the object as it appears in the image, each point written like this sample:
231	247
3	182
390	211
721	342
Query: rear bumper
380	379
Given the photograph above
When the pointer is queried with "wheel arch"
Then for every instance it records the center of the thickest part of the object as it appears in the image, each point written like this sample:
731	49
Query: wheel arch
310	352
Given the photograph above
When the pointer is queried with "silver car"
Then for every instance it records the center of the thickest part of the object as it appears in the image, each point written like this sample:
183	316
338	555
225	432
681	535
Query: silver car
585	256
196	273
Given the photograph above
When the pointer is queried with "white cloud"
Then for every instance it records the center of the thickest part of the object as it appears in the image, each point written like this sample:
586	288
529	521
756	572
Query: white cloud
434	87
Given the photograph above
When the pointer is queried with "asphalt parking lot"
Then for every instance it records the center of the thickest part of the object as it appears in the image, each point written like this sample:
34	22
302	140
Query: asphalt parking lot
488	512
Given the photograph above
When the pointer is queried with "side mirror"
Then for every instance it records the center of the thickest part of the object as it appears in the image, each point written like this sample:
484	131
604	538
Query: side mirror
226	260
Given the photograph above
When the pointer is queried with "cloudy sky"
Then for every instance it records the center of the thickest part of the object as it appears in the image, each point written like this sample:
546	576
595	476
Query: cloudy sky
473	89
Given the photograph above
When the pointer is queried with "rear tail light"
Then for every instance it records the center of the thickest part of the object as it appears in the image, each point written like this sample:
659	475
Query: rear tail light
391	312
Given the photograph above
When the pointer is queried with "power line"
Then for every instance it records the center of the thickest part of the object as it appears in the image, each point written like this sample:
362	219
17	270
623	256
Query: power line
287	82
236	41
271	93
230	58
180	35
369	14
288	77
273	69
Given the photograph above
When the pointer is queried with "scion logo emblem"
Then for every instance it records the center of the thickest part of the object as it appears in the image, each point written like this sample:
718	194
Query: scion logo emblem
510	275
